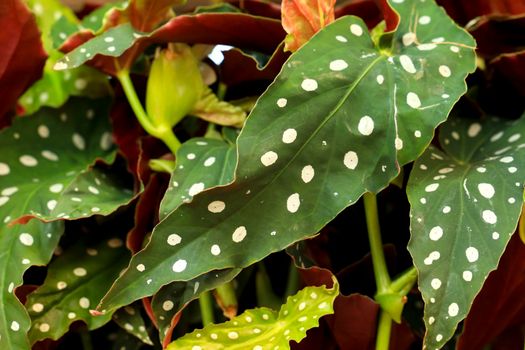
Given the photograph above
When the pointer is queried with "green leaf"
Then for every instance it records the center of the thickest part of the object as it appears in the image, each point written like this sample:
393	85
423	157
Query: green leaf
466	201
201	164
213	110
46	161
30	184
337	122
19	252
173	297
112	42
130	319
263	328
75	282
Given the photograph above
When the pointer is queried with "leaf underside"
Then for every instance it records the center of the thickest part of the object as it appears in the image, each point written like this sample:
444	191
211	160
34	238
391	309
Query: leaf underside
130	319
314	143
264	328
465	204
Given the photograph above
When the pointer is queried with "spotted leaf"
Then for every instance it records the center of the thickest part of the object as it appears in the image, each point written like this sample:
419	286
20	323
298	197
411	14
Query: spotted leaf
201	164
264	328
75	282
337	122
46	164
466	201
130	319
21	247
175	296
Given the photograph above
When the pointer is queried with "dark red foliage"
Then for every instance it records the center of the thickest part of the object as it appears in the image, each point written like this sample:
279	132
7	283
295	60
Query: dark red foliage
368	10
500	306
463	11
22	56
497	35
258	34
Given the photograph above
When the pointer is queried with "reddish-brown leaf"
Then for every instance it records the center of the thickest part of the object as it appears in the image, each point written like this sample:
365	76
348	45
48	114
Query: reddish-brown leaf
497	35
501	304
368	10
511	67
303	18
145	15
22	55
463	11
258	34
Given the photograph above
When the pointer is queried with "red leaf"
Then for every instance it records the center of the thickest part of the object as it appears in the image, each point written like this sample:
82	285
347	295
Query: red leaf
258	34
303	18
500	305
463	11
368	10
497	35
510	66
23	56
145	15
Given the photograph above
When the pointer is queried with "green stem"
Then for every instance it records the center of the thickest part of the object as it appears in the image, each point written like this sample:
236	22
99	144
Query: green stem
163	133
205	303
383	331
376	245
85	339
227	299
292	286
405	281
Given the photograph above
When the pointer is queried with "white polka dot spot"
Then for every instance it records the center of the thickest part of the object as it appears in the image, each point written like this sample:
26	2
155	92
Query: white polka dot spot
216	206
444	71
489	216
49	155
341	38
239	234
409	38
307	174
436	233
380	79
431	187
43	131
167	305
338	65
78	141
407	64
196	188
174	239
507	159
209	161
27	160
4	169
366	125
141	267
84	302
215	249
474	129
435	283
15	326
356	29
472	254
233	335
38	307
351	160
467	276
413	100
293	202
179	265
80	272
289	135
44	328
486	190
446	209
309	85
269	158
51	204
282	102
453	310
26	239
424	20
56	188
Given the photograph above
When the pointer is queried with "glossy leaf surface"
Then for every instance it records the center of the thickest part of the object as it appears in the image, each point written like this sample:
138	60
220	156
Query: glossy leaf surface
21	246
466	201
76	280
264	328
130	319
201	164
46	164
314	143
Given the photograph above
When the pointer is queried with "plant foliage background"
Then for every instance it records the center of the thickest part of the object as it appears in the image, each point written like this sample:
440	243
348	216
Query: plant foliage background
244	193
